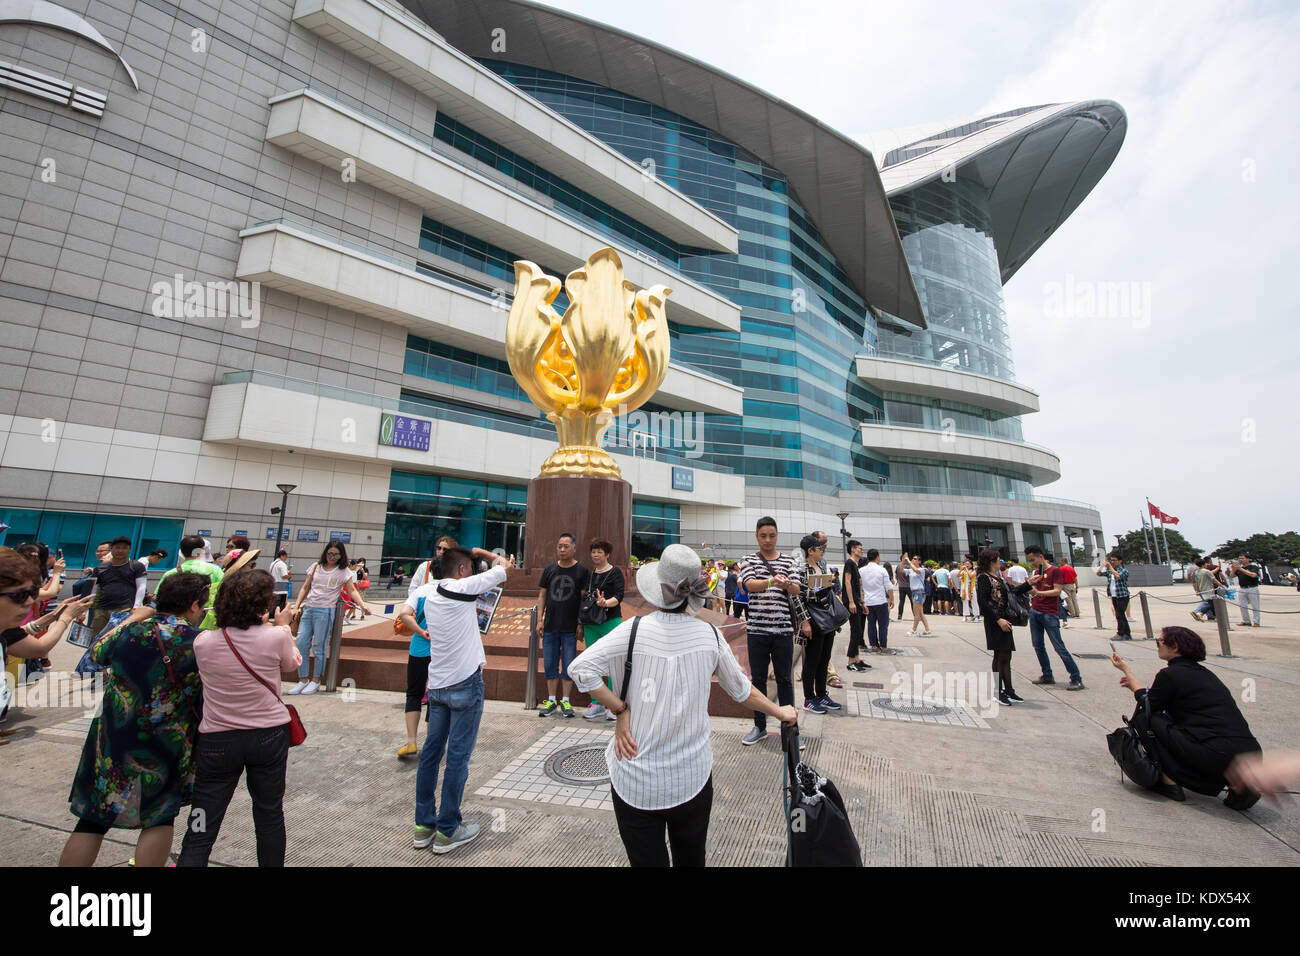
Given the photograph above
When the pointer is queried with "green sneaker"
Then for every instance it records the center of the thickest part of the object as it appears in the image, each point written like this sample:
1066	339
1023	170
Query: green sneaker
464	834
423	836
548	707
566	709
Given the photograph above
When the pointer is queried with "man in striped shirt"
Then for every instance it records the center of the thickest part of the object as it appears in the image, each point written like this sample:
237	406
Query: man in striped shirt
771	578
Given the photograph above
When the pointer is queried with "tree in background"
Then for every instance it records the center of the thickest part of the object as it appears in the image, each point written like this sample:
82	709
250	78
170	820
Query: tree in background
1265	547
1133	549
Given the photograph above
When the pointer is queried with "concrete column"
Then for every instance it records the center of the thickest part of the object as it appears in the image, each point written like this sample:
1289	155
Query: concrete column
1060	547
1016	540
960	541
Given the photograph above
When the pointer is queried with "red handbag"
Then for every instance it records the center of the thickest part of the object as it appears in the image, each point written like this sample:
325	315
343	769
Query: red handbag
297	732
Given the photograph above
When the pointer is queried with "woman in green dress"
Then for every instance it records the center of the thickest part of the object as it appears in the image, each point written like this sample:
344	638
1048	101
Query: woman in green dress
137	768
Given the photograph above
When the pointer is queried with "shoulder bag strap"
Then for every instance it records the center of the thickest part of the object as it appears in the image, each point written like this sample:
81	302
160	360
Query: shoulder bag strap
171	674
261	680
627	665
455	595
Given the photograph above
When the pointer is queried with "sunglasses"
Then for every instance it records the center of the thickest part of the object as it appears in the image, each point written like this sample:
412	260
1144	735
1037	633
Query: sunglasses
23	596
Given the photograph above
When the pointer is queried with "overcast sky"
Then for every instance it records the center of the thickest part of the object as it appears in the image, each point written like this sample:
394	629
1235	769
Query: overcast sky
1197	407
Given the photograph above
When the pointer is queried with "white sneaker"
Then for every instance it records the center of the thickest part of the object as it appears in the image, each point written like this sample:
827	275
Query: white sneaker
297	688
311	688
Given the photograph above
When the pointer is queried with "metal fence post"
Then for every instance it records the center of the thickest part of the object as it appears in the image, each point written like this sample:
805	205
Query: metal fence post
1146	614
1221	618
1096	609
530	687
336	644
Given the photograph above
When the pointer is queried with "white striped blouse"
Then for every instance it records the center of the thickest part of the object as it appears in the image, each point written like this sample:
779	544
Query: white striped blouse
673	663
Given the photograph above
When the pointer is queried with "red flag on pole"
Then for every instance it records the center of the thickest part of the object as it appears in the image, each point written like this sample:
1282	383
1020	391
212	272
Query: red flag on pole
1160	515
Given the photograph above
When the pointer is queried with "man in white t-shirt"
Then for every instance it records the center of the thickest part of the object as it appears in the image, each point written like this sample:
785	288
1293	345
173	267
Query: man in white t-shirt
456	662
1016	574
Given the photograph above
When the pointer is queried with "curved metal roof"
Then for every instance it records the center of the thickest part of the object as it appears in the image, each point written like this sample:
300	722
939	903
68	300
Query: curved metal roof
834	177
1036	164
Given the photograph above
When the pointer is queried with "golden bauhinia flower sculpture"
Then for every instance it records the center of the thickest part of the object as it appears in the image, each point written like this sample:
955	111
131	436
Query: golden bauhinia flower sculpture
608	351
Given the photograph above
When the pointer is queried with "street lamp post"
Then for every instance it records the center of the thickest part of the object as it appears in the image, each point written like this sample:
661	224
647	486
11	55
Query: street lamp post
844	535
285	488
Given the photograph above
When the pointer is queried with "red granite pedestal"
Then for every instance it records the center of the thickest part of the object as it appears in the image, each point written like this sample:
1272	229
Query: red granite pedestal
584	505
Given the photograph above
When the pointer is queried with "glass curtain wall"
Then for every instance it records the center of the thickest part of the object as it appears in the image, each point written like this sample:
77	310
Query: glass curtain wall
801	321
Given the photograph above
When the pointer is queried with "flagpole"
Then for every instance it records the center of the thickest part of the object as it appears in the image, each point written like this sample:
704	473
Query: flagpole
1163	535
1145	540
1153	532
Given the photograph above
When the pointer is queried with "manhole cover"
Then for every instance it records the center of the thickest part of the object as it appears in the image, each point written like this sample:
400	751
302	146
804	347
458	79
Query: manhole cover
912	708
584	766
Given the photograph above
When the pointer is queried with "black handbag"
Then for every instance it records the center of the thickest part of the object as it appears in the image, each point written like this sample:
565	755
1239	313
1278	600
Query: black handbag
590	611
827	612
1014	610
1136	760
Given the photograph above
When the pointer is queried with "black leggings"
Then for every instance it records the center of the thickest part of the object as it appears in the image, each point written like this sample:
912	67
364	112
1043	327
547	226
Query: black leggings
1002	667
86	826
643	830
417	682
816	657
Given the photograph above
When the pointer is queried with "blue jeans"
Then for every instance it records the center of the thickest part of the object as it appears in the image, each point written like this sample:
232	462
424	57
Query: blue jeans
1206	606
557	649
454	715
314	634
1040	621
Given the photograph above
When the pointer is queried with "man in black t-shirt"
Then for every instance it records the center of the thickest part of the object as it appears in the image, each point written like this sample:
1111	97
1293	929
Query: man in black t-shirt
853	601
1247	575
116	583
561	587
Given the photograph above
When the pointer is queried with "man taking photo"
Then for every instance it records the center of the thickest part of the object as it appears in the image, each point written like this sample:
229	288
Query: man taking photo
456	662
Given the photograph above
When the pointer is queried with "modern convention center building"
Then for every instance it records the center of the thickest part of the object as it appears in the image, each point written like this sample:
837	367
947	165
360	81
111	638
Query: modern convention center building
249	243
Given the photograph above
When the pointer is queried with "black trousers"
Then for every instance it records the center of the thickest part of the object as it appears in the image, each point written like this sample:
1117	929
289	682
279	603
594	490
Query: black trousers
857	624
816	658
687	825
878	625
220	760
1120	604
777	650
1198	765
904	595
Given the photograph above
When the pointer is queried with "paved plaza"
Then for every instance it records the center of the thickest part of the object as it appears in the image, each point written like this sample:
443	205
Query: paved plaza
930	778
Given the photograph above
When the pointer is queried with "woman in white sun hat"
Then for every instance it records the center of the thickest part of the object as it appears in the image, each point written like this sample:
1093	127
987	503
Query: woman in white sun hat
660	761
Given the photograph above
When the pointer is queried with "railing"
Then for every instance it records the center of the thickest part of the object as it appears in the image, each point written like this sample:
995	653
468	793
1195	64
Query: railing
888	488
894	355
1010	441
530	428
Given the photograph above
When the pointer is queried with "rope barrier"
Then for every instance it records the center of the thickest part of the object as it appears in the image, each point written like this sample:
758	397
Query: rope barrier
1262	610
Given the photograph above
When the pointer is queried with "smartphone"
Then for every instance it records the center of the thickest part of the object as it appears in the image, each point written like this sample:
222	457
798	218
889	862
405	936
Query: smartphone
1112	647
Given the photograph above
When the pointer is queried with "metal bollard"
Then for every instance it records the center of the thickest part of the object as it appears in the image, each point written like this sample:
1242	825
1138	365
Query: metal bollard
1146	614
336	644
530	691
1096	609
1221	618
